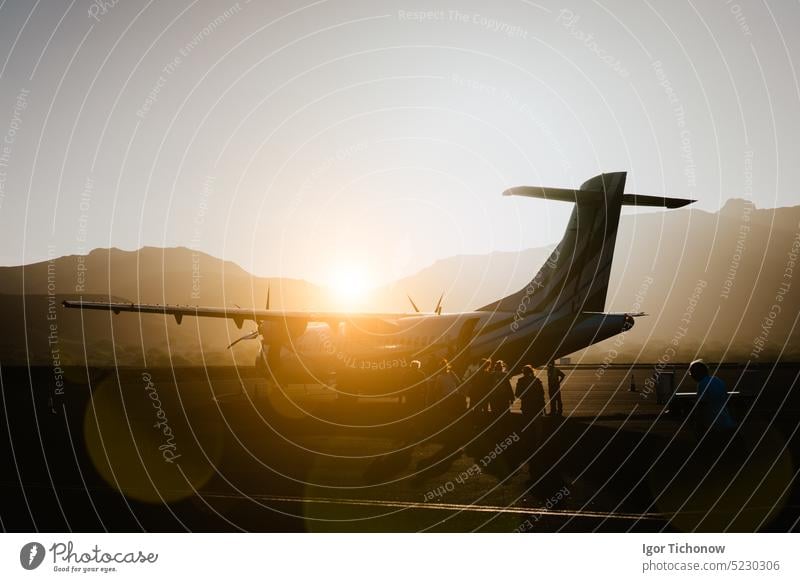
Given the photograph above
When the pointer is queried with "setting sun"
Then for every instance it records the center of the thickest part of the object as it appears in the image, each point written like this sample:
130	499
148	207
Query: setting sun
349	282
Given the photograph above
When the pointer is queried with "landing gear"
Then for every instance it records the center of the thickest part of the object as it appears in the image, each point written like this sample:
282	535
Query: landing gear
261	364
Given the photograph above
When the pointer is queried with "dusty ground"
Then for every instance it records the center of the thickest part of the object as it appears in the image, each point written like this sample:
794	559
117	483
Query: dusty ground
212	451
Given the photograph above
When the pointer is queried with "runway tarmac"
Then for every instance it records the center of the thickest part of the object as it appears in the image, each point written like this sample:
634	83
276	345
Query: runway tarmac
246	459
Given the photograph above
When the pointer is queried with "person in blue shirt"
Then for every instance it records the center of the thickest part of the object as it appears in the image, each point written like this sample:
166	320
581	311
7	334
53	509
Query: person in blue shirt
711	410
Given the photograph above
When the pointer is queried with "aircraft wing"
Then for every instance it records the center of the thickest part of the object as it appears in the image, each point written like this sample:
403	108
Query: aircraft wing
238	314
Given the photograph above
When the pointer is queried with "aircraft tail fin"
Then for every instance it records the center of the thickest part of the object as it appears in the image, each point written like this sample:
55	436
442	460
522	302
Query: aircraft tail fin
575	276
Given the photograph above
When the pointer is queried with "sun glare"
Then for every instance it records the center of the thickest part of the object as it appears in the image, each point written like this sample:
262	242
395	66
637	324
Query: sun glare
349	282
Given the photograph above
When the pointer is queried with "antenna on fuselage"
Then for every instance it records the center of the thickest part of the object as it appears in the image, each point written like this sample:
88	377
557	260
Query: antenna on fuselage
438	310
414	305
268	290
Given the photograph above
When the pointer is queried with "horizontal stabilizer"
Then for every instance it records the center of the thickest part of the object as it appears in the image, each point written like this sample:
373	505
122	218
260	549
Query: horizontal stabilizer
660	201
562	194
628	313
590	196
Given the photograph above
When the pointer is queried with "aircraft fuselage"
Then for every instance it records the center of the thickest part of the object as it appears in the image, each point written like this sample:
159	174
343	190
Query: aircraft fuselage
461	338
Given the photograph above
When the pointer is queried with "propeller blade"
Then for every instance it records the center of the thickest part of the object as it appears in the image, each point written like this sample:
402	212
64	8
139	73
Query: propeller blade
438	309
414	305
249	336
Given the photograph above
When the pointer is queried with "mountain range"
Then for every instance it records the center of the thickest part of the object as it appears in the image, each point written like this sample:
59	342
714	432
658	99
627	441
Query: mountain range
718	285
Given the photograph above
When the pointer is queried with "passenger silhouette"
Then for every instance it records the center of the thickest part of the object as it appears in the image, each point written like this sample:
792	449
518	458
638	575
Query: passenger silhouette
502	396
480	386
448	393
554	378
414	386
530	392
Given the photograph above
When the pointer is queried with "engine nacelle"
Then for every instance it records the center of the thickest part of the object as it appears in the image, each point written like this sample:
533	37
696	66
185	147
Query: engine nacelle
281	331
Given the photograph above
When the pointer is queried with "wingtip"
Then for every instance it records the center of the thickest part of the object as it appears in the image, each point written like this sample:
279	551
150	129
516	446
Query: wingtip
680	203
515	191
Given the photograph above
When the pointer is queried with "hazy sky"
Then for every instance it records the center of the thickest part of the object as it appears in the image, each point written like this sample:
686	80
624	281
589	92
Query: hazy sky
293	138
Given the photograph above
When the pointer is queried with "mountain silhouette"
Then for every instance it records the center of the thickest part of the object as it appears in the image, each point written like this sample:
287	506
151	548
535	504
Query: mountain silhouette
738	257
31	293
709	283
